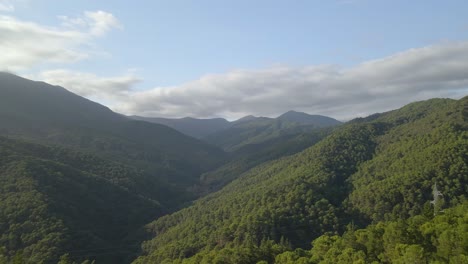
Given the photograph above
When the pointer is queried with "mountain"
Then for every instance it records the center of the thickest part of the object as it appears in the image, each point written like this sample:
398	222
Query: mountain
252	155
77	178
283	205
245	119
247	130
55	200
51	114
257	130
306	119
79	182
197	128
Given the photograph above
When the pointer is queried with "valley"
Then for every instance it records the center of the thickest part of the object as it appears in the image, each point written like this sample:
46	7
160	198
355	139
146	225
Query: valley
80	183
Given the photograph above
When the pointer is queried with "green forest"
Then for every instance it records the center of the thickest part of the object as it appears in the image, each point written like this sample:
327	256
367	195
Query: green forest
374	171
82	184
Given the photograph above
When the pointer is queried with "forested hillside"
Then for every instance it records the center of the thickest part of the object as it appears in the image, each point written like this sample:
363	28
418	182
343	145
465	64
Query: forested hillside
252	155
79	182
246	131
306	119
372	170
261	130
51	114
194	127
420	239
55	200
78	178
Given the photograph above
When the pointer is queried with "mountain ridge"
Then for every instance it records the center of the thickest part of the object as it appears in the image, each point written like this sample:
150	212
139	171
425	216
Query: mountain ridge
202	128
49	113
76	176
308	119
190	126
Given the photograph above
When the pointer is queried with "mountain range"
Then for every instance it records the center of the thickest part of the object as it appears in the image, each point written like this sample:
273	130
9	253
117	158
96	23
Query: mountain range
207	128
379	170
97	174
194	127
79	182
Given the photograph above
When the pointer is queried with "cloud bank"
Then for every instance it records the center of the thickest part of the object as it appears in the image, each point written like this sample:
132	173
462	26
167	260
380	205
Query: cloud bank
343	93
378	85
25	44
372	86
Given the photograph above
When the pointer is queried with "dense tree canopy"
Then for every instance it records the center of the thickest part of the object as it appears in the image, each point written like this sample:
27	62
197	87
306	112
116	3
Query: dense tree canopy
55	201
370	170
419	239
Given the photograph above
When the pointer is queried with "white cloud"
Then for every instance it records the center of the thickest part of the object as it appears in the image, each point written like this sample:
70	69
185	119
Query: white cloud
103	89
25	44
96	23
379	85
373	86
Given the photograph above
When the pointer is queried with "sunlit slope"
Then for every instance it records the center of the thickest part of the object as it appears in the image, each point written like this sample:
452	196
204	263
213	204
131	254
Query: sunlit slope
378	168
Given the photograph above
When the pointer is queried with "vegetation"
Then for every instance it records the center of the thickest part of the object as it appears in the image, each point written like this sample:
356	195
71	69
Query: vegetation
55	201
77	178
52	115
197	128
396	156
78	182
216	129
252	155
419	239
261	130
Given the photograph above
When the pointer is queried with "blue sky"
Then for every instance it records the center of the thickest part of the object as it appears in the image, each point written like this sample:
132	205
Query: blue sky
187	51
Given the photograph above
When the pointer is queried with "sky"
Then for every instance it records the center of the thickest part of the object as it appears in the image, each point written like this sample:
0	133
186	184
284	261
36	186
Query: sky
340	58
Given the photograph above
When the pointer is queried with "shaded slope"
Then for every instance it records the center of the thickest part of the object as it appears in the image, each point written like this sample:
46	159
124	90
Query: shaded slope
194	127
52	114
55	201
79	178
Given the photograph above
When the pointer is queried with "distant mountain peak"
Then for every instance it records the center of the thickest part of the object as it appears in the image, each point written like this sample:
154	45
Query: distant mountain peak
293	113
307	119
246	118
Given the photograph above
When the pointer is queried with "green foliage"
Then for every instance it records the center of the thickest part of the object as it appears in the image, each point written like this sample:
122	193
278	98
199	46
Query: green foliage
54	200
253	155
77	183
419	239
197	128
257	131
375	169
411	158
50	114
77	178
295	198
